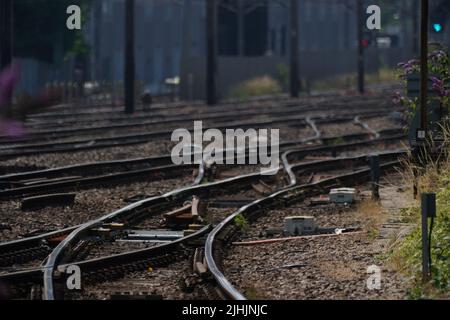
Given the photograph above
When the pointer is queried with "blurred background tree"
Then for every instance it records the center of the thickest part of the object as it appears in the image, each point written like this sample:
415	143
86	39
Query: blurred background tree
40	30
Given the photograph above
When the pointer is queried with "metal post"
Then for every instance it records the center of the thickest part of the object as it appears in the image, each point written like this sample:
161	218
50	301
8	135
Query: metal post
428	211
241	21
375	174
424	65
294	32
6	43
211	63
129	57
425	258
360	22
415	27
5	33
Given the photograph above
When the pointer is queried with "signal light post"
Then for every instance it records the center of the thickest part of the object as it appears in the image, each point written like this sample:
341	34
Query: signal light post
294	65
438	27
129	57
424	66
6	43
211	59
5	33
361	43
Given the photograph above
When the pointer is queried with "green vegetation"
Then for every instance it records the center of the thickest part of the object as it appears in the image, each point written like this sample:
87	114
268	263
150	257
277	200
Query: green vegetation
283	75
40	30
253	294
435	178
241	222
438	65
349	81
260	86
407	256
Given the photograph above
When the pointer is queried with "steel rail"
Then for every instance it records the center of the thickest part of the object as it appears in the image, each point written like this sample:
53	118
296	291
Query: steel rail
122	140
221	126
9	248
251	176
224	284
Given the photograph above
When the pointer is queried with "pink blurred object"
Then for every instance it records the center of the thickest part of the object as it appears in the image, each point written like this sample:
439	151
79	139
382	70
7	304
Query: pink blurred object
8	79
11	128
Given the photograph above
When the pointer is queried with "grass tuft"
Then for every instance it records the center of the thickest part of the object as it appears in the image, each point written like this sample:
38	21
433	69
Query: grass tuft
407	255
261	86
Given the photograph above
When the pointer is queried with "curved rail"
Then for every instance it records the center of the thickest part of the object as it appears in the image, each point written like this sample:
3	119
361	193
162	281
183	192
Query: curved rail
224	284
53	258
9	249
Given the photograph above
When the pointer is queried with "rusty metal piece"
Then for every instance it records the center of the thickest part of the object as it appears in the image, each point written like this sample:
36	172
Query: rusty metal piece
51	200
53	242
135	296
270	241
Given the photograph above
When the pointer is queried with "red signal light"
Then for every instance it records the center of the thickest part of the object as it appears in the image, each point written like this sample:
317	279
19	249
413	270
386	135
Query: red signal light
365	43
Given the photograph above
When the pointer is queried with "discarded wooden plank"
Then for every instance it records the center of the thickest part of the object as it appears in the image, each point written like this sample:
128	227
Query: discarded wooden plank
178	212
49	200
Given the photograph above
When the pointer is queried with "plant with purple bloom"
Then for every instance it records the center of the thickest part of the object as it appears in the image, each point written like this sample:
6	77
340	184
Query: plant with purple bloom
439	69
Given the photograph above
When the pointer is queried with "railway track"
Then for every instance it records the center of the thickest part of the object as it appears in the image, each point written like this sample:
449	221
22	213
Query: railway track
252	177
83	145
225	232
21	276
142	122
70	243
79	177
166	111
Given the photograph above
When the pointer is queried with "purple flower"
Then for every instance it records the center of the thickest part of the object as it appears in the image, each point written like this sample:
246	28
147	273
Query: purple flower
438	85
397	97
437	55
409	67
413	62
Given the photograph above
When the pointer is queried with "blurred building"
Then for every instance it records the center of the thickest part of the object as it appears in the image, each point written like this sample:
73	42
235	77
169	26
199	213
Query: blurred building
252	41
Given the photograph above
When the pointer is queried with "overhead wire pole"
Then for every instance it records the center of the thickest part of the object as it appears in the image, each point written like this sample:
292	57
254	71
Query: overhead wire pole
241	17
360	31
211	60
415	27
6	41
294	56
5	33
424	65
129	57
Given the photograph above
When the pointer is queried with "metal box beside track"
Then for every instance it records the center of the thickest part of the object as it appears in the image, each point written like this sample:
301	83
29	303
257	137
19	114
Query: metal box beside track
343	195
298	225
